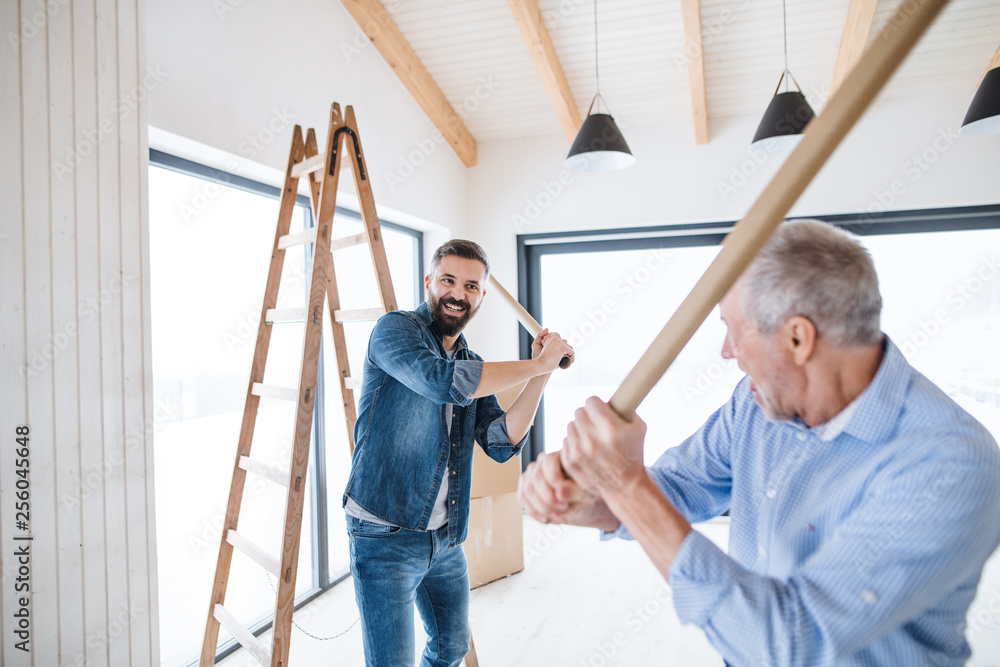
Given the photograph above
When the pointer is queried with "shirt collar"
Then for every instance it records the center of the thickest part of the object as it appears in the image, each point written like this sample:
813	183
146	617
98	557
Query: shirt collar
423	312
874	413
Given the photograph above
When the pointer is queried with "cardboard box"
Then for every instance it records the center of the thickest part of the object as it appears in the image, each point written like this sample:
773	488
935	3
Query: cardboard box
495	546
490	478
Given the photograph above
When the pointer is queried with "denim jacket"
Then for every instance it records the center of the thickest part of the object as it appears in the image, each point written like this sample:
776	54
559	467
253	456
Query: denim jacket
402	449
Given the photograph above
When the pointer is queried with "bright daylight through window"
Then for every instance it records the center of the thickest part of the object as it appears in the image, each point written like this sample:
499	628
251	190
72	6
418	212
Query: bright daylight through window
942	308
210	247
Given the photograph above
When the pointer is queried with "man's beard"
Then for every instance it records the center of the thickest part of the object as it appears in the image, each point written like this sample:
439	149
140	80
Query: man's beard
449	324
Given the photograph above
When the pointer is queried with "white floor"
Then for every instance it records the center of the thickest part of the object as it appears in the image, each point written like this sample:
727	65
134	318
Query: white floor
579	603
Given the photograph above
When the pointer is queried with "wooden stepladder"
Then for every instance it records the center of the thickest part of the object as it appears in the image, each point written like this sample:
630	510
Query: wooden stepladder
323	172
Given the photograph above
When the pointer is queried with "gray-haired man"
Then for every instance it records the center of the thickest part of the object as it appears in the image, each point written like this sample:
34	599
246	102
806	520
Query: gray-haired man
864	501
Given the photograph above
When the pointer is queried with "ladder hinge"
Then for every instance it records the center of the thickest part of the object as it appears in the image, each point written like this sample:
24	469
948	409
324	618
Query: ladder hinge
308	395
298	483
317	314
288	576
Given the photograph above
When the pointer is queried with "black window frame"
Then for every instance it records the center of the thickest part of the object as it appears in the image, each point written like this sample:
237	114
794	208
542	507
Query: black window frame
321	577
532	247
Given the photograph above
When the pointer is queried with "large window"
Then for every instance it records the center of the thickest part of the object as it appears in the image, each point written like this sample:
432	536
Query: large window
611	292
211	235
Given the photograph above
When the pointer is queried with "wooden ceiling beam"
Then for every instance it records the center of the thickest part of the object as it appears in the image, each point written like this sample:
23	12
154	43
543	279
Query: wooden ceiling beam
695	52
378	25
993	65
857	28
529	19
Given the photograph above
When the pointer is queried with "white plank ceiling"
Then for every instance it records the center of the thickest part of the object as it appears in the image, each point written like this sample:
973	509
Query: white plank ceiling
643	74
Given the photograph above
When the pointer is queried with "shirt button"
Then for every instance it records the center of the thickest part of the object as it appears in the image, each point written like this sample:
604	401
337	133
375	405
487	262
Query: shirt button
771	493
802	435
869	597
454	445
453	502
762	551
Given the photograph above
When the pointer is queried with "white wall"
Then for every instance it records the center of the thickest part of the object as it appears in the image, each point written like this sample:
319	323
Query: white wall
74	335
522	187
240	74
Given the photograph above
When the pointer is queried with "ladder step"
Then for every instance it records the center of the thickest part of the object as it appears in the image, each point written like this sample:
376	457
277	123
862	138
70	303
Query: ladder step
309	165
253	645
270	391
298	238
359	315
285	315
352	383
348	241
263	470
258	555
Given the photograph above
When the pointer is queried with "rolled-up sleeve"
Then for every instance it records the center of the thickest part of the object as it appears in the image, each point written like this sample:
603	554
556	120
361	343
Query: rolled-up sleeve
491	431
398	348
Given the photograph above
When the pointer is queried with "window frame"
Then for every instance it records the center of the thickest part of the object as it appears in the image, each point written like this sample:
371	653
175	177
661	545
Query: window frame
321	577
532	247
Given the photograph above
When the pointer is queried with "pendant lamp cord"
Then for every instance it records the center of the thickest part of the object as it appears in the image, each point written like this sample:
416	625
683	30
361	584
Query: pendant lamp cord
784	25
597	70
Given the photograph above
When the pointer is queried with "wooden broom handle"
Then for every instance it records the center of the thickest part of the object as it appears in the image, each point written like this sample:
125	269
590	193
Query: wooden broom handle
823	134
522	315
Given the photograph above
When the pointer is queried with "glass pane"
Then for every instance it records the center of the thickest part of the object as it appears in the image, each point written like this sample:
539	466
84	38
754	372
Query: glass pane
358	289
942	308
945	320
618	303
209	254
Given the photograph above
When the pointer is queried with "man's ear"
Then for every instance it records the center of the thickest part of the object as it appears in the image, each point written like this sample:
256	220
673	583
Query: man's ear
799	337
427	281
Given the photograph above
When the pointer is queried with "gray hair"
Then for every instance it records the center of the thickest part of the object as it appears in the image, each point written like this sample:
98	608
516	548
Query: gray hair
815	270
461	248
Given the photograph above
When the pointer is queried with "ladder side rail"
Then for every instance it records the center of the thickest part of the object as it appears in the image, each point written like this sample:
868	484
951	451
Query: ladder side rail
287	207
285	600
368	214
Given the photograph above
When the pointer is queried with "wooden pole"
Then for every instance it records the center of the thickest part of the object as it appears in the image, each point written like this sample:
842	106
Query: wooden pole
822	136
522	315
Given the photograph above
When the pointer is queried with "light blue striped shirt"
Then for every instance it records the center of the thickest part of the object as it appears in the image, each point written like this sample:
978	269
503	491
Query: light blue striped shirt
861	548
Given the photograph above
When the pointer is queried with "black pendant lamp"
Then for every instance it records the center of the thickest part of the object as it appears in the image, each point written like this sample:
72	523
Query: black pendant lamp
599	145
787	115
983	116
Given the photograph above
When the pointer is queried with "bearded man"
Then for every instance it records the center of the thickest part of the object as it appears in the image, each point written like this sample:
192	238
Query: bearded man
425	400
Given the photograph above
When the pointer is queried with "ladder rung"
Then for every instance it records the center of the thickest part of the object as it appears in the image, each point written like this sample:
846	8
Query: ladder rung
352	383
348	241
298	238
263	470
253	645
309	165
360	315
258	555
270	391
285	315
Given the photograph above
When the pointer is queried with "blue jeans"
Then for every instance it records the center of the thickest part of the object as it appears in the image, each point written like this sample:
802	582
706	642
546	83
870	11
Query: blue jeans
395	567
